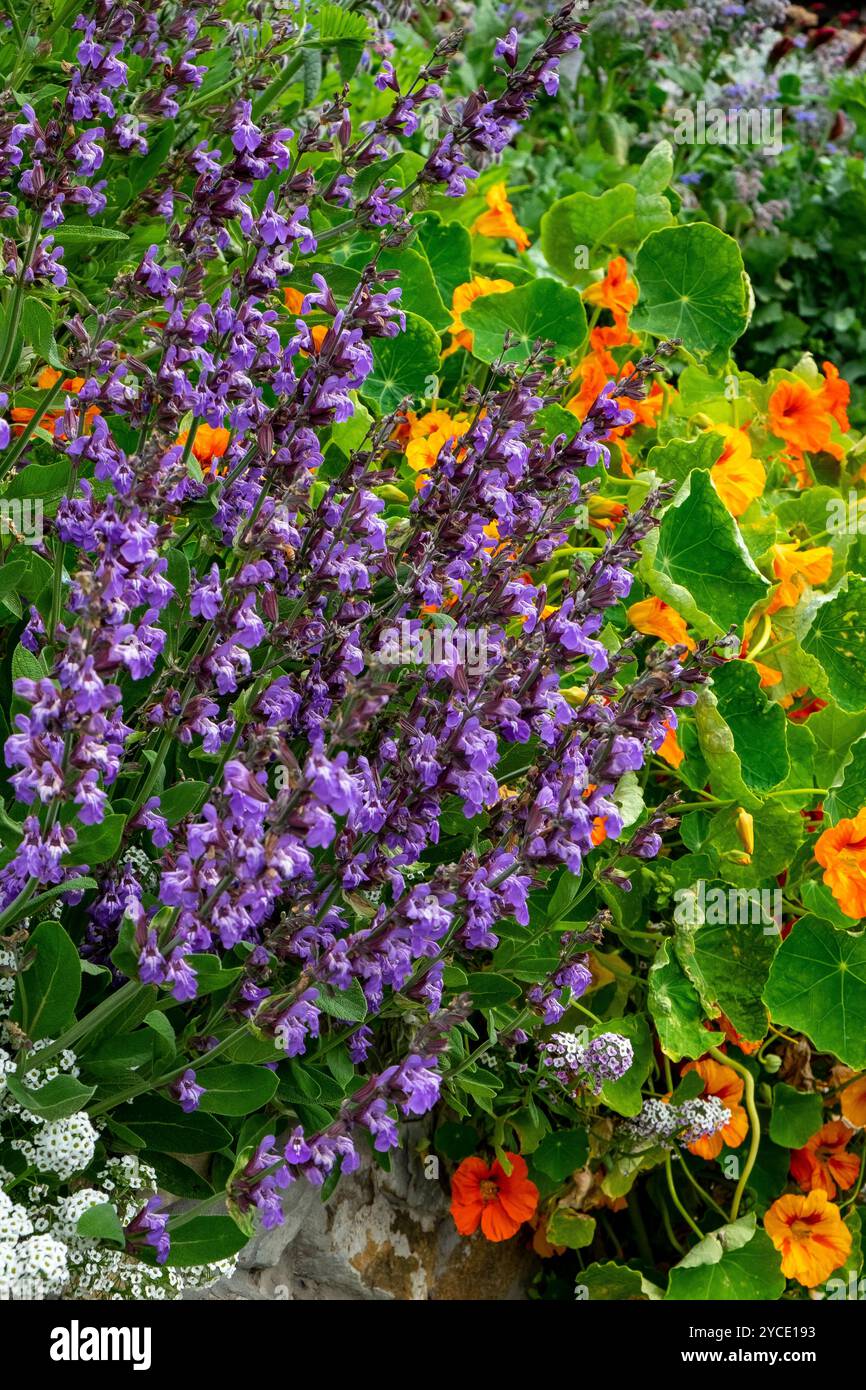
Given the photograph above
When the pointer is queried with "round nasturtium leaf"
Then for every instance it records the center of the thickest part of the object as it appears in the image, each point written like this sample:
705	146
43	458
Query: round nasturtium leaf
692	286
817	985
837	638
736	1262
406	365
542	310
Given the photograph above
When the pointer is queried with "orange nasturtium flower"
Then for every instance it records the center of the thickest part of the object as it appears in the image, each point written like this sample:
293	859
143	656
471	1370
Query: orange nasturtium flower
724	1083
208	444
670	749
824	1161
428	434
810	1235
294	300
795	568
841	852
657	619
739	477
803	417
837	394
22	415
853	1101
615	292
499	219
464	295
490	1198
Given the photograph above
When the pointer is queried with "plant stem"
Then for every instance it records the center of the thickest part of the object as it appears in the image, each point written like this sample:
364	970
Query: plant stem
754	1125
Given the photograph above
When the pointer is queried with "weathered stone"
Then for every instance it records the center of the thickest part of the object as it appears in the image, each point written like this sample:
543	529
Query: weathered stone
382	1235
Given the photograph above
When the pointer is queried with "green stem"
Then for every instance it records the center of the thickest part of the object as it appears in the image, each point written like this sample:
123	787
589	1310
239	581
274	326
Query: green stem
669	1178
17	301
754	1125
96	1018
14	452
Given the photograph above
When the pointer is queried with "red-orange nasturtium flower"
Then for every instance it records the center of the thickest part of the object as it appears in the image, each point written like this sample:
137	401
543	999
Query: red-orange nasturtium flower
486	1196
810	1234
208	444
616	291
841	852
803	418
724	1083
824	1161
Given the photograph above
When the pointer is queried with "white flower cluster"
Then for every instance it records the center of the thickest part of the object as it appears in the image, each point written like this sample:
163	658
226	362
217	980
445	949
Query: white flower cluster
41	1253
59	1147
43	1256
7	981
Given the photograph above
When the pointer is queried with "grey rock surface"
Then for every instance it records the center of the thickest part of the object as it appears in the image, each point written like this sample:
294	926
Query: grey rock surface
382	1235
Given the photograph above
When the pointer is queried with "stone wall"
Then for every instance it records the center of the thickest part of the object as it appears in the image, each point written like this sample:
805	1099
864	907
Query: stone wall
380	1236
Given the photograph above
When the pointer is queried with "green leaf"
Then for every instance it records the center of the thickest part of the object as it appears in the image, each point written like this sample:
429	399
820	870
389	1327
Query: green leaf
571	1228
778	836
757	724
157	1022
582	228
837	637
403	366
676	1008
102	1223
818	986
46	993
849	796
349	1005
119	1056
541	309
559	1154
37	326
201	1241
176	1178
455	1141
164	1126
26	666
416	281
55	1100
834	732
236	1089
97	843
449	252
616	1283
676	459
693	286
624	1096
697	561
735	1262
68	234
797	1115
489	989
180	800
211	975
734	960
338	25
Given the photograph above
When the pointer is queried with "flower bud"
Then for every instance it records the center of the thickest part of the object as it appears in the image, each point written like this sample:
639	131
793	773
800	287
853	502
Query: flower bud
746	830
